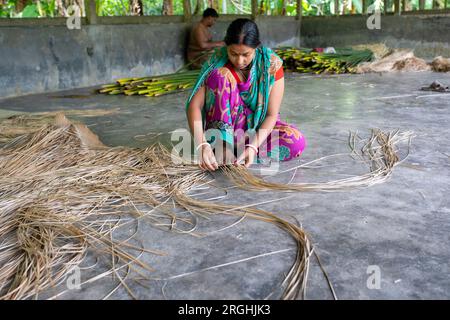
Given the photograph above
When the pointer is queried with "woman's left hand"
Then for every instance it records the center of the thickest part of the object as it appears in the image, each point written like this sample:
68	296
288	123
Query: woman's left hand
248	157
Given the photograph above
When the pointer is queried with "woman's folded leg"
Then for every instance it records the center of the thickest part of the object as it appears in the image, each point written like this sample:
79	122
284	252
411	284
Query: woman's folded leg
285	142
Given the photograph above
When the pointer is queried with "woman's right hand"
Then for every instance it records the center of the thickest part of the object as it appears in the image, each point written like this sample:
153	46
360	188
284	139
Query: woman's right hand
207	158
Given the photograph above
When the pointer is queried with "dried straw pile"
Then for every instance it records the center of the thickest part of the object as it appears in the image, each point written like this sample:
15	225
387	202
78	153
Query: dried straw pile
399	60
16	125
62	193
441	64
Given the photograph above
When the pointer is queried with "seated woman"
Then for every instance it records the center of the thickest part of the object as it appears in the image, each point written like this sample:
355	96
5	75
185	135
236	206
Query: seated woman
240	89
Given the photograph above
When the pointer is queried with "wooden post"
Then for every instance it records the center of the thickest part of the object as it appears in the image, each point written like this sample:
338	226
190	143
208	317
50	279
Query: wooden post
397	7
187	11
91	11
421	4
336	7
299	10
403	6
386	3
254	9
298	17
364	6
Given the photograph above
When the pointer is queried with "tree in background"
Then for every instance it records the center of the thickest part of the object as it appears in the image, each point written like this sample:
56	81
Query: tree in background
58	8
136	8
21	4
62	5
167	9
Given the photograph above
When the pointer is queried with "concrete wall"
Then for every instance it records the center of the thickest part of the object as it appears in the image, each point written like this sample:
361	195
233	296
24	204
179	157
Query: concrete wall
38	58
49	58
428	35
41	58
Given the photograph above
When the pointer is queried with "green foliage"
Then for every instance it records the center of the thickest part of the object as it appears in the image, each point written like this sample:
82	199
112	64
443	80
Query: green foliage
317	7
30	11
122	7
291	9
305	60
112	7
227	6
47	8
7	9
33	9
152	7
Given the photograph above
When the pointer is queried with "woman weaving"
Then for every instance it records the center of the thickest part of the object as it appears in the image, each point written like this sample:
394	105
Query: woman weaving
239	90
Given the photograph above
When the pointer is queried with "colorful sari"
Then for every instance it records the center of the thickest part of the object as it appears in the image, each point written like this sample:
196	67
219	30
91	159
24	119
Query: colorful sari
234	107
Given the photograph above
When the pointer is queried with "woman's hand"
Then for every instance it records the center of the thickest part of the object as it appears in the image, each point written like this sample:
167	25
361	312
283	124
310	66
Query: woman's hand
207	159
275	98
248	157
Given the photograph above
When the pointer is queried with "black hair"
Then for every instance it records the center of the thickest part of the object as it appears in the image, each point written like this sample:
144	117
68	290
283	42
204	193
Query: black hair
210	12
243	31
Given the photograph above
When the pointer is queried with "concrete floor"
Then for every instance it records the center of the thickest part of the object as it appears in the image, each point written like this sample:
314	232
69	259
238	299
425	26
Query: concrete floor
401	226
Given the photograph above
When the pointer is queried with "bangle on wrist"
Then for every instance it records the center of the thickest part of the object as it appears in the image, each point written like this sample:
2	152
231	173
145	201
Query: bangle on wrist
201	144
253	147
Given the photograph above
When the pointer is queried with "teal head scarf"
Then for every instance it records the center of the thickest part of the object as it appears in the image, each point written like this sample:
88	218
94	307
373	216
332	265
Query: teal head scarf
257	98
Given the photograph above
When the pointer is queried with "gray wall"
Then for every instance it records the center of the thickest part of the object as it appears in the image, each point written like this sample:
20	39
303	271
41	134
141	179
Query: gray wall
50	58
429	36
41	58
37	59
